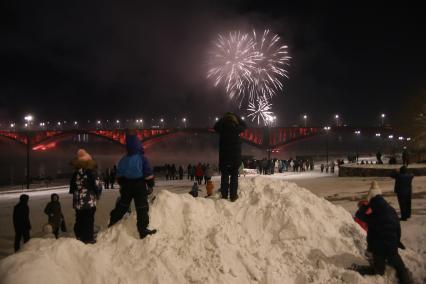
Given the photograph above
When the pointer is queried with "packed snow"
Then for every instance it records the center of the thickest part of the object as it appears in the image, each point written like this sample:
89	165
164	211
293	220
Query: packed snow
276	232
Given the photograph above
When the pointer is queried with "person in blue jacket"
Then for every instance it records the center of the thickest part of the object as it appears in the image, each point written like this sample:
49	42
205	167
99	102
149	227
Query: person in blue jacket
136	179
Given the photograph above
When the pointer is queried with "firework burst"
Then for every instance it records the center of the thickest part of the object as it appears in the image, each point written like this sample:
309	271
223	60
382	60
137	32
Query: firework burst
233	63
261	111
270	65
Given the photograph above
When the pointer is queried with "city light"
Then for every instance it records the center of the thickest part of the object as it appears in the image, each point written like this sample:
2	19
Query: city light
400	138
242	117
383	115
357	132
378	134
216	118
12	125
305	116
327	128
59	123
162	120
390	136
75	122
408	138
98	122
117	121
28	118
184	119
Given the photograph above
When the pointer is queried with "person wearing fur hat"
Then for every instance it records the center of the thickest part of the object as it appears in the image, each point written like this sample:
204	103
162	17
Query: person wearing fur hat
21	221
403	190
85	191
136	179
383	237
54	213
229	128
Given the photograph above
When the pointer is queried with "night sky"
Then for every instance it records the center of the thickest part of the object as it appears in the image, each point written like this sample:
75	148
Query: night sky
125	59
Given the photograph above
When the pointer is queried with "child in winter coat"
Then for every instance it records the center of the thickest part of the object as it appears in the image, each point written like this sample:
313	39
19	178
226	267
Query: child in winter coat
21	221
136	179
194	190
86	192
209	188
54	213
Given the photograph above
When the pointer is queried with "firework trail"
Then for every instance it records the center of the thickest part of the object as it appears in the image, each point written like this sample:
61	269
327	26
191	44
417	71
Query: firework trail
261	111
233	63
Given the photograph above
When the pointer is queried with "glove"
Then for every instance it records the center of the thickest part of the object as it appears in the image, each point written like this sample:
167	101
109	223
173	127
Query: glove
149	190
150	183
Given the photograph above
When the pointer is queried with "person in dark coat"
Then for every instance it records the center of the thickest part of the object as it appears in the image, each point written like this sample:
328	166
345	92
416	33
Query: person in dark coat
383	237
112	176
136	179
194	190
403	190
229	128
85	191
180	172
21	221
379	158
405	157
54	213
189	168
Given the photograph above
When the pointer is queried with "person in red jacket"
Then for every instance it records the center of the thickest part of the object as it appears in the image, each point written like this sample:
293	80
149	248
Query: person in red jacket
199	173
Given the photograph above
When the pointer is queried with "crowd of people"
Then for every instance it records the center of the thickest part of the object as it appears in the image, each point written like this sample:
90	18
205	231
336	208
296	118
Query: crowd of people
136	181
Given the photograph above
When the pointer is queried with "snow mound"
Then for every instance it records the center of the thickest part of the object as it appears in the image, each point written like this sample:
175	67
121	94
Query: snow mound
276	232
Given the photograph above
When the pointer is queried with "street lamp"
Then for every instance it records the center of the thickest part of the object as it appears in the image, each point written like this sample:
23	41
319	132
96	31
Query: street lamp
357	133
162	122
337	120
28	118
184	121
216	118
382	116
305	118
327	129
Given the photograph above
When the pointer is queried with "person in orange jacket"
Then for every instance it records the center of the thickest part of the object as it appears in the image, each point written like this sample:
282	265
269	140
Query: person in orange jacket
209	188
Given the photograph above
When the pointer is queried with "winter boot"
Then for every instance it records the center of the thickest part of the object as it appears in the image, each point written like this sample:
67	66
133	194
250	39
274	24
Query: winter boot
147	232
234	198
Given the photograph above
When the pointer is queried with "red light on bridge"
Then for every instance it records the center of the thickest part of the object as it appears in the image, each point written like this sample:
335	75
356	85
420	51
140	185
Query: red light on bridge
44	147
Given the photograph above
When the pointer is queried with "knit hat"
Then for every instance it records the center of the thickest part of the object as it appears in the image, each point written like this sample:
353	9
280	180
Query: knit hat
82	155
374	190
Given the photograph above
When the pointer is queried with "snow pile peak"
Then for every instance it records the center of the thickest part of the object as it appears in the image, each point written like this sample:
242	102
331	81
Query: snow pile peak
276	232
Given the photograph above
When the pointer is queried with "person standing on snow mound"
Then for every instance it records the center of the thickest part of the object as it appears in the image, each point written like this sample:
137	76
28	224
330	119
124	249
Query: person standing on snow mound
383	237
136	179
21	221
85	191
403	190
229	128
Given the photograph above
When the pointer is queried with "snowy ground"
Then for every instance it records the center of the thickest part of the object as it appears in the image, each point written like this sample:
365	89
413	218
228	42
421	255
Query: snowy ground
317	238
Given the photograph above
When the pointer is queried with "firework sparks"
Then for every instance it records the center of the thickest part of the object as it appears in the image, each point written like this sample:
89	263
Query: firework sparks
261	111
270	65
233	61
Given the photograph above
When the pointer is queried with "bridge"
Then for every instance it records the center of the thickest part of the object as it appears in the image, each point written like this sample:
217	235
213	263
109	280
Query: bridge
266	138
260	137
